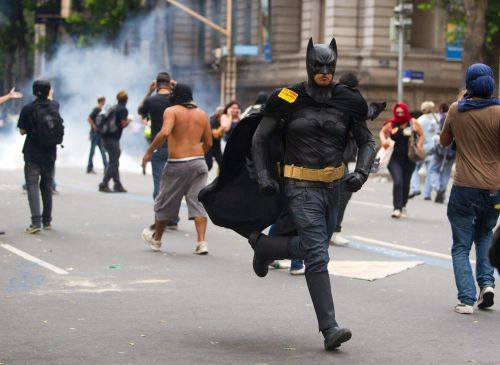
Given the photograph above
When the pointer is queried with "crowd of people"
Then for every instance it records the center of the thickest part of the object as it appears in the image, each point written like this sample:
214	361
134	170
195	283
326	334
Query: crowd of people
314	130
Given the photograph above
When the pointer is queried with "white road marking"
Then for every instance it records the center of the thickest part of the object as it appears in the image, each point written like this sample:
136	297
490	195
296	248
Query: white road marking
414	250
34	259
371	204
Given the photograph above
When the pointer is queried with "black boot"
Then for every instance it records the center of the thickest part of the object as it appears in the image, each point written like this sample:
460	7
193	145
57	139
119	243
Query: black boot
321	295
266	250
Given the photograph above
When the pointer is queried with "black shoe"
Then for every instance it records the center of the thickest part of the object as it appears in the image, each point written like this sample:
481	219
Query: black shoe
2	232
439	197
266	250
260	266
105	189
335	336
413	194
91	172
427	198
119	189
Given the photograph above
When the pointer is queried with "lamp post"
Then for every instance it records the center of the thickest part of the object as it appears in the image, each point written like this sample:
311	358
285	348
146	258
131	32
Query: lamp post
228	74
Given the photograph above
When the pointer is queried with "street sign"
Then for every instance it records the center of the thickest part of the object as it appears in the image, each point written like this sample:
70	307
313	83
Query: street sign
407	8
245	50
412	76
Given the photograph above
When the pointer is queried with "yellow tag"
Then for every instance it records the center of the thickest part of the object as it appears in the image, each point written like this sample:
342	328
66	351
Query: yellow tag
497	206
288	95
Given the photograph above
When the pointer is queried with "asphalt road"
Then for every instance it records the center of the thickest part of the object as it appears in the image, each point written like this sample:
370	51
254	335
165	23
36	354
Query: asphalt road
114	301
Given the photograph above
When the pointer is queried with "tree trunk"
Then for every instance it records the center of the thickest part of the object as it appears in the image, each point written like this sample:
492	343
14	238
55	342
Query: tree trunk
475	14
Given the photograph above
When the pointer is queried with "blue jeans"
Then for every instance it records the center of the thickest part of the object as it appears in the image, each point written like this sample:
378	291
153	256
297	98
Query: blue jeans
415	178
158	162
472	217
95	140
314	212
440	172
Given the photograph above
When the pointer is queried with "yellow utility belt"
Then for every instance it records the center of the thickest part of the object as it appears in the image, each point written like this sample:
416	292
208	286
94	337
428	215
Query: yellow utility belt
327	175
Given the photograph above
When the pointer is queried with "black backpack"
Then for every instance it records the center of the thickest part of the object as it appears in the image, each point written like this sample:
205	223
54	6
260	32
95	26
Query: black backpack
106	122
48	124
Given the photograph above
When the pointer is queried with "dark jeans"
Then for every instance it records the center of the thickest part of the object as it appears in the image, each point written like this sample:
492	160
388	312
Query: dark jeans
112	171
158	161
95	140
214	152
472	218
401	169
345	196
39	178
314	212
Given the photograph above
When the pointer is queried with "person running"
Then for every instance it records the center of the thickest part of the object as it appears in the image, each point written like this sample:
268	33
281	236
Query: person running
399	128
184	125
95	138
474	205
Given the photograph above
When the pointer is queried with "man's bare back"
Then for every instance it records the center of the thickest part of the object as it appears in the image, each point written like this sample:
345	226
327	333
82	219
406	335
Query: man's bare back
186	128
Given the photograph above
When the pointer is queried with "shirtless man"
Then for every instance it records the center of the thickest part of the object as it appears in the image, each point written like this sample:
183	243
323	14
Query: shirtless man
185	125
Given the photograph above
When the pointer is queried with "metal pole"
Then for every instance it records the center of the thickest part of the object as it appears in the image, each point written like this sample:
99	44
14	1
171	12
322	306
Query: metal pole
230	67
400	51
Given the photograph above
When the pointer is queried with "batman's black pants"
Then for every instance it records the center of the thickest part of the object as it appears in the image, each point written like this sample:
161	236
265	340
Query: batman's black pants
314	211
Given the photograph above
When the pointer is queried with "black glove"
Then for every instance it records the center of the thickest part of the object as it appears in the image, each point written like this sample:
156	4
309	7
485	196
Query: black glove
354	181
267	185
374	109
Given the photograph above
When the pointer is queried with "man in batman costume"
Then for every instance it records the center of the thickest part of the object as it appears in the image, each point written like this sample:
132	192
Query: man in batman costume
296	145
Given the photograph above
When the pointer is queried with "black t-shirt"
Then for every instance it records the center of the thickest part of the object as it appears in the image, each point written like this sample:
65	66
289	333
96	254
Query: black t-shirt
155	106
121	113
31	150
93	115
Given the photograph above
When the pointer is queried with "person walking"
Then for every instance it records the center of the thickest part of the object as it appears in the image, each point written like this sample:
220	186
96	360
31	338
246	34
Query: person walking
442	161
153	107
217	133
230	117
428	121
474	205
399	128
95	138
43	126
189	137
119	120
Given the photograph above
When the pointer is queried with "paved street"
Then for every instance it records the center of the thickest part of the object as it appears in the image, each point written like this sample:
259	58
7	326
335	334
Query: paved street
99	296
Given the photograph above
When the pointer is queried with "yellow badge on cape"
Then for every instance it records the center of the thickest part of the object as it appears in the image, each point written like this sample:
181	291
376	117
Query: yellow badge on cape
288	95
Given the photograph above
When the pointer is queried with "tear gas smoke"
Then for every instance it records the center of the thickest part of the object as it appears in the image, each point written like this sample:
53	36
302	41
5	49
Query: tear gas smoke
80	75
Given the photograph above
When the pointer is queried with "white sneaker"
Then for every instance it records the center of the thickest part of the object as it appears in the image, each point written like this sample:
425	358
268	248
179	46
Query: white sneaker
485	297
32	229
404	213
396	213
280	264
300	271
464	308
201	248
338	240
148	237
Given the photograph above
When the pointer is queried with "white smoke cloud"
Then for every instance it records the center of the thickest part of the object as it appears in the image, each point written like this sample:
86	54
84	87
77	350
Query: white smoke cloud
80	75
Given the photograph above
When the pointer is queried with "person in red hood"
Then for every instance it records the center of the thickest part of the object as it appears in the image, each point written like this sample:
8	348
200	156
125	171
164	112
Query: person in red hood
399	128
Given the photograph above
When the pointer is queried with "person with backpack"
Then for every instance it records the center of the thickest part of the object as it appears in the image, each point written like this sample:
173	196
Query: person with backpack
43	126
110	126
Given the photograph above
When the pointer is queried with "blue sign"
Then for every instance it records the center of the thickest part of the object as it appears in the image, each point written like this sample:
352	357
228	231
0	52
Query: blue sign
413	76
245	50
454	52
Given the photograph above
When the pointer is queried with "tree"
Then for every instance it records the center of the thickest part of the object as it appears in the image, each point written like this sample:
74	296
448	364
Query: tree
93	20
478	24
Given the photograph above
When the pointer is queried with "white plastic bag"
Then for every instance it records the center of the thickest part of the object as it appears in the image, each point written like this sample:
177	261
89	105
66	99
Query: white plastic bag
385	154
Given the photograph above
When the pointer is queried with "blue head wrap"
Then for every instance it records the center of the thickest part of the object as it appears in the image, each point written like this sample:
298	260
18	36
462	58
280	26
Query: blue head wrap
479	83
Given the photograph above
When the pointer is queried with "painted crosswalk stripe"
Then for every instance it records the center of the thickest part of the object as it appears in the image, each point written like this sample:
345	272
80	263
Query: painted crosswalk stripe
34	259
414	250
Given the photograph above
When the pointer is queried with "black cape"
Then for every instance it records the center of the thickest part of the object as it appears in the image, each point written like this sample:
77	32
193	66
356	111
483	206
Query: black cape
233	200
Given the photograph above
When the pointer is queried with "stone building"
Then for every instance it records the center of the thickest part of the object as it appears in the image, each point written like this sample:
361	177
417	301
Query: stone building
362	31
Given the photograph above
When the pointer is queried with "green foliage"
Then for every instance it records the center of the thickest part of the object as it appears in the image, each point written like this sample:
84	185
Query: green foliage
456	15
99	19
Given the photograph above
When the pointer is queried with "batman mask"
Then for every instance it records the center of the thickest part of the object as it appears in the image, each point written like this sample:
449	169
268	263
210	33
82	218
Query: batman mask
320	59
